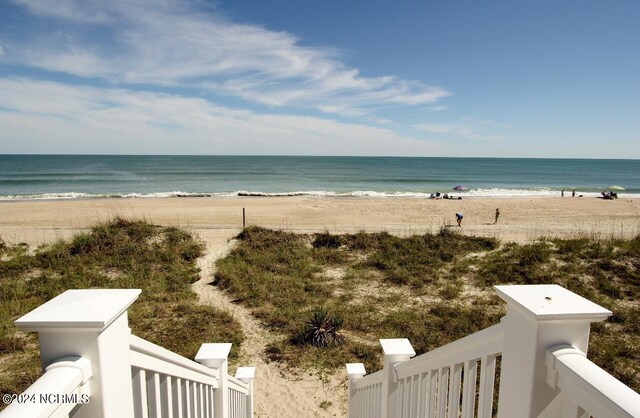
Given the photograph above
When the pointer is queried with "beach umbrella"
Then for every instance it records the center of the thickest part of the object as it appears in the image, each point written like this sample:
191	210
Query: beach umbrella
616	188
459	188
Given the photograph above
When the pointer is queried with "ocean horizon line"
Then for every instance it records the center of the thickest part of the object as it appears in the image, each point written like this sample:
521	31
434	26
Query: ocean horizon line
319	156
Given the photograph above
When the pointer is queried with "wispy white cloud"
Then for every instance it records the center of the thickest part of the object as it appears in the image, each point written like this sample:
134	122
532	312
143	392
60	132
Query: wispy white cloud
43	116
437	108
485	122
186	44
455	129
478	121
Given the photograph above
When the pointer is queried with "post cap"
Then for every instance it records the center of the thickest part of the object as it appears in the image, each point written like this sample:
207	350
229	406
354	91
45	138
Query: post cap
397	347
83	310
356	369
245	373
212	354
548	302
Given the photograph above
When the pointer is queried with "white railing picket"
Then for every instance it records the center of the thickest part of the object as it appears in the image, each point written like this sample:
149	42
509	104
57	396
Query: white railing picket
443	379
167	398
487	380
178	407
469	388
433	388
140	400
154	396
422	405
455	377
188	399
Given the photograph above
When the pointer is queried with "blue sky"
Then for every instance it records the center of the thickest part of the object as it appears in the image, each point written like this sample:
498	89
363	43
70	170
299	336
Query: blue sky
423	78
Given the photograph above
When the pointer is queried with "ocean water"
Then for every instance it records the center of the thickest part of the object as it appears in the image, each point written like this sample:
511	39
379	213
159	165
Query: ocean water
93	176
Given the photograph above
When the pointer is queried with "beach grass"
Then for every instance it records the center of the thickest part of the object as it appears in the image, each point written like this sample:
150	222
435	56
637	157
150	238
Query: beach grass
432	289
120	253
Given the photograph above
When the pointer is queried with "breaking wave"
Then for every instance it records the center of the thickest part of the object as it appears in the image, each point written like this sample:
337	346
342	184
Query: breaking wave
472	193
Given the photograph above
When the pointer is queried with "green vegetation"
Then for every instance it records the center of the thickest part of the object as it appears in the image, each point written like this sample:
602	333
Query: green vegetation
432	289
117	254
321	330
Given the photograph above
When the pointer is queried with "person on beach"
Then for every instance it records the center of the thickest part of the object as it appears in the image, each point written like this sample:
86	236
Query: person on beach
573	193
562	193
497	216
459	218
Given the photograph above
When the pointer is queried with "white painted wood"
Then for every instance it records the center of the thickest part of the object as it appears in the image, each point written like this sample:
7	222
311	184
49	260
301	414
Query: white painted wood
538	317
154	364
443	384
422	406
396	350
215	356
586	385
569	408
208	401
487	381
167	396
469	388
86	309
355	372
201	406
455	378
237	384
177	394
69	376
168	362
188	399
197	401
415	396
549	302
403	397
368	380
433	387
154	396
484	342
140	393
91	324
247	376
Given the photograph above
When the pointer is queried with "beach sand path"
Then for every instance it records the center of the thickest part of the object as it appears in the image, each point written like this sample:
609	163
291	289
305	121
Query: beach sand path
279	393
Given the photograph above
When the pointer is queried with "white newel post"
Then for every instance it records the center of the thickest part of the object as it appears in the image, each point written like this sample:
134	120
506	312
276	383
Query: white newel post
214	356
355	371
539	317
91	324
246	375
396	350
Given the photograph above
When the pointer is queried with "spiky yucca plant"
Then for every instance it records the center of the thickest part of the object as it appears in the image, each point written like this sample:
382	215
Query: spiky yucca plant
322	330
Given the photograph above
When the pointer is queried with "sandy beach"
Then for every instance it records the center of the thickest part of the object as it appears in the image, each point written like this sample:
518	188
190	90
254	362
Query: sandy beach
521	220
279	392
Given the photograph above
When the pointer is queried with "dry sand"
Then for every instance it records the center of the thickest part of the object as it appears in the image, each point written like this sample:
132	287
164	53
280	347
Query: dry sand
279	393
522	219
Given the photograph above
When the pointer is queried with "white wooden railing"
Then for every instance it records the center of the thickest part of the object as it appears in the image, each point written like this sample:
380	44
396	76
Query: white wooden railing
541	343
588	390
367	392
94	367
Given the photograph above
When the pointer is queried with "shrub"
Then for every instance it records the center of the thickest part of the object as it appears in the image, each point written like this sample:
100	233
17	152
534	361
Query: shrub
326	240
321	330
